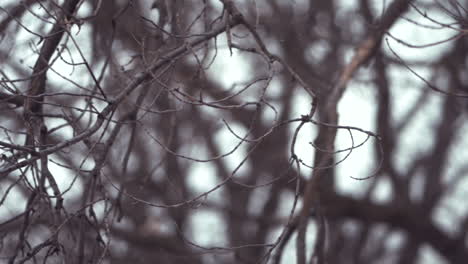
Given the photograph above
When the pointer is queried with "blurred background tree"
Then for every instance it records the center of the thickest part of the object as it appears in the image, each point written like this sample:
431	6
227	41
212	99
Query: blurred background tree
197	131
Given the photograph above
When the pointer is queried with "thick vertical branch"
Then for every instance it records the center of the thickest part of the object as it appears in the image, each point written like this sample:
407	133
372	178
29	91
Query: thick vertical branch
327	134
34	97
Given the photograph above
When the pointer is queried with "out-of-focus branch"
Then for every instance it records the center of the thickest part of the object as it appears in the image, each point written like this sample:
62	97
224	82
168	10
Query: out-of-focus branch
326	135
14	14
407	218
16	100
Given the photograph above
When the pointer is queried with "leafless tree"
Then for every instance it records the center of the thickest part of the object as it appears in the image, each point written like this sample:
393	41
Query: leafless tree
195	131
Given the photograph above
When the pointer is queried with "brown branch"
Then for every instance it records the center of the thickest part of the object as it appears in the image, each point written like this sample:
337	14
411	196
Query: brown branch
326	136
33	107
37	86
